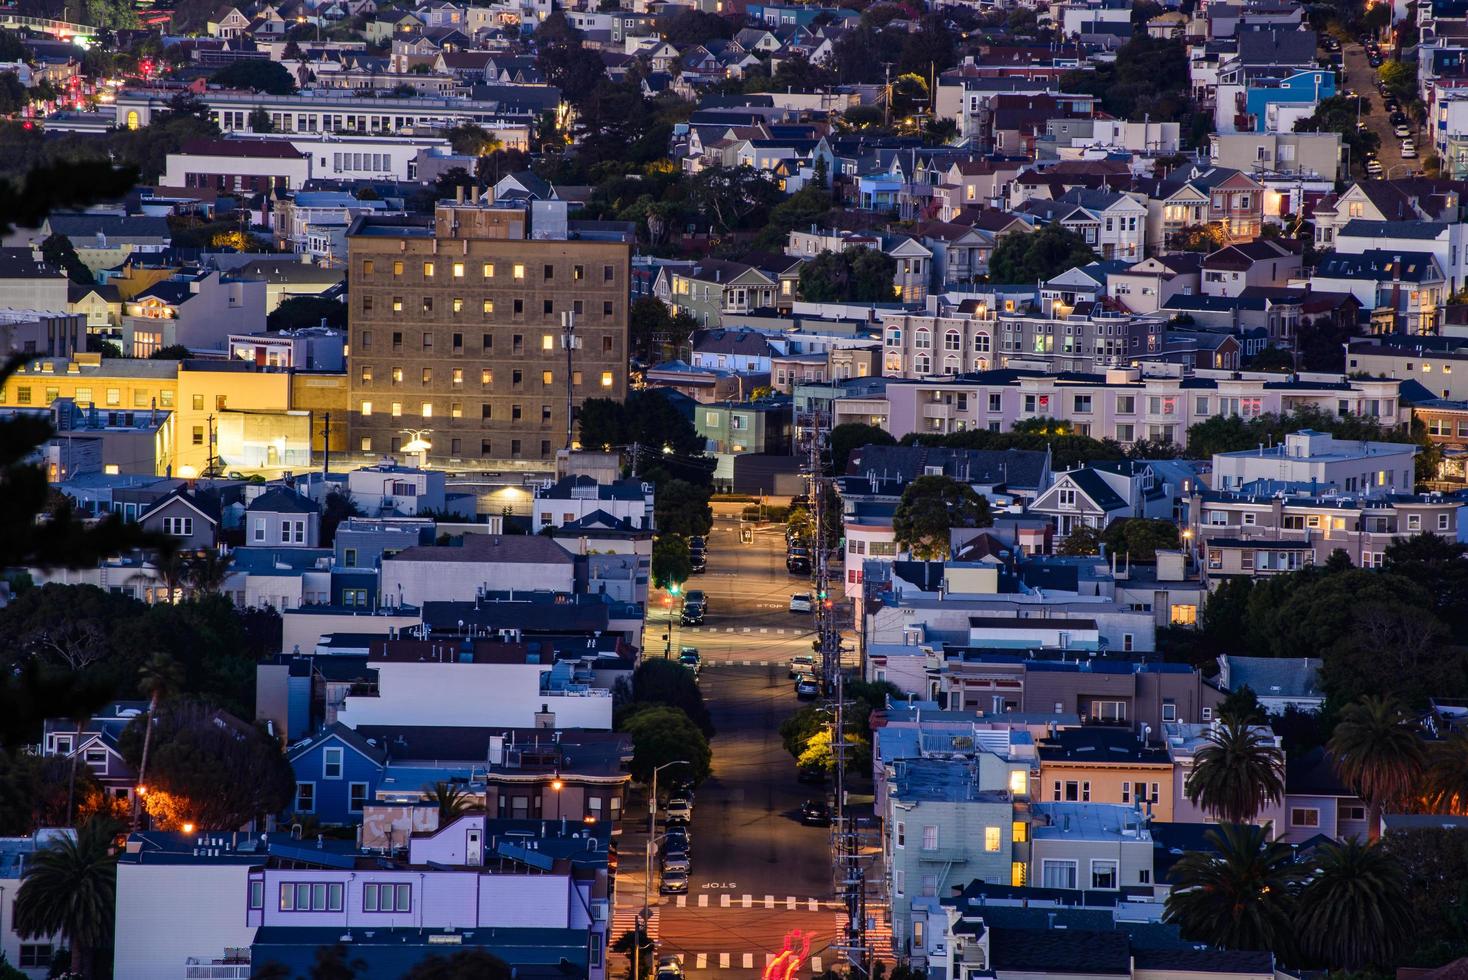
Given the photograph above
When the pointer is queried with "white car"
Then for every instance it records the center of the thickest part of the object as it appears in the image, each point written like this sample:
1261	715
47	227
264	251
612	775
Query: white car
1402	132
1409	150
801	602
678	810
1373	167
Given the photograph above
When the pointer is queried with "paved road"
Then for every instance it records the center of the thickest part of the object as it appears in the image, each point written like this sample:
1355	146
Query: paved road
758	873
1361	78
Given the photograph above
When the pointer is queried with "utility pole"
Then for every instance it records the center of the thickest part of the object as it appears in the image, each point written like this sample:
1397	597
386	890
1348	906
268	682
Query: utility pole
848	875
568	341
326	448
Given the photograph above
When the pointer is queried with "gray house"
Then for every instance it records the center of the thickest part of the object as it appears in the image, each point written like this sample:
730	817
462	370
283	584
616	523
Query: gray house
280	517
192	519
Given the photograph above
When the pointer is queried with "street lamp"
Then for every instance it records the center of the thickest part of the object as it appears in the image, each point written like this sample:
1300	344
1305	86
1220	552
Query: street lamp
557	785
652	813
418	442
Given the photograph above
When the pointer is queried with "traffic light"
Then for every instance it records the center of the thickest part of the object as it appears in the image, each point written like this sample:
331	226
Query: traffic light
821	595
673	589
828	603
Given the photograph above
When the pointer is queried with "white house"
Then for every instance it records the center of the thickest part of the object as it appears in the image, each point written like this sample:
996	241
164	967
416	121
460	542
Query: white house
481	563
1321	461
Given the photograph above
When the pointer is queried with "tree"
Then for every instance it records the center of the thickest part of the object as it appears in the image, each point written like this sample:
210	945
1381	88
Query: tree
332	963
307	311
1377	752
1199	238
1242	704
468	964
862	275
214	770
1148	78
665	683
1353	910
1445	781
1338	114
1141	537
172	352
1435	860
452	800
688	28
57	250
850	436
1238	771
930	508
1083	539
663	734
929	50
1272	358
1440	568
472	139
682	509
69	888
260	121
1035	256
270	77
1239	894
650	326
336	506
563	60
671	564
159	679
816	752
731	197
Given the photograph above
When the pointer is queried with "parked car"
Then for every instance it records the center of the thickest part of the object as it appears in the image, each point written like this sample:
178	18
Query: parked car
801	602
815	813
1402	132
670	967
806	688
802	664
1373	167
677	862
797	560
692	614
674	883
678	807
1409	150
698	562
677	838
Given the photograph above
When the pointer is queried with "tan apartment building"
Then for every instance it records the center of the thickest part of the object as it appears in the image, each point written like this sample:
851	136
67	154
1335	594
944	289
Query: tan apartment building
456	332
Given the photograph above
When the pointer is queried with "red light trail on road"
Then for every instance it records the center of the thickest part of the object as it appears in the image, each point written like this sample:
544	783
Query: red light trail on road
788	962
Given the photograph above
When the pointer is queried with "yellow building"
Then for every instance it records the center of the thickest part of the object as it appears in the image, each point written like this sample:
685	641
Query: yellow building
1105	764
246	417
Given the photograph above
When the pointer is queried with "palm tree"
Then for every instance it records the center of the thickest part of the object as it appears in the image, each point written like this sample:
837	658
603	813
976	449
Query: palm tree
208	572
1353	912
1238	896
452	801
1377	753
159	678
171	567
1446	781
1238	772
70	889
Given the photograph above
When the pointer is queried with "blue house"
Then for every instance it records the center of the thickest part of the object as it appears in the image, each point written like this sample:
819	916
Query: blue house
337	772
1266	97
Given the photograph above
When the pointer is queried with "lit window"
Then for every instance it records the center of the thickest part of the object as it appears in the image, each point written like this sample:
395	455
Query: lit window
1019	782
427	270
366	408
1020	831
458	270
547	377
488	270
519	271
992	839
606	379
428	410
547	342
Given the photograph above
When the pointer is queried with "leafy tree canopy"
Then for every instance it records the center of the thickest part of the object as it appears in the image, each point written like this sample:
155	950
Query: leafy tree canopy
1033	256
259	75
662	734
862	275
930	508
307	311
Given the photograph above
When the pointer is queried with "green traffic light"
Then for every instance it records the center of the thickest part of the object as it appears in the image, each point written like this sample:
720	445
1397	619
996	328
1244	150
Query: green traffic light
673	590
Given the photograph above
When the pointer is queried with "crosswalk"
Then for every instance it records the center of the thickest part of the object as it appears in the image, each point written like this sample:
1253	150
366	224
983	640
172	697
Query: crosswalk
744	663
693	962
724	900
624	920
753	630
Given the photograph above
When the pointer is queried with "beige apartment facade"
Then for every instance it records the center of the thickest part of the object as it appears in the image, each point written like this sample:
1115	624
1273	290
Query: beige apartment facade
457	334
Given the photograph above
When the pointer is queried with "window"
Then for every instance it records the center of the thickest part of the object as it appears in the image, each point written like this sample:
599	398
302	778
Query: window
311	896
1356	813
356	797
1301	816
179	527
427	270
257	894
606	379
519	270
387	897
992	838
901	834
1169	711
1103	874
458	270
1057	874
35	956
331	763
1184	614
1019	782
899	882
305	797
1020	831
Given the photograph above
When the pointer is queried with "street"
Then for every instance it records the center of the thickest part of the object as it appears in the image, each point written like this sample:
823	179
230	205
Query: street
1361	78
758	873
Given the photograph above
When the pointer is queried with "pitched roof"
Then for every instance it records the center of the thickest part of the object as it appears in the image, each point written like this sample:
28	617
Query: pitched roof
1383	265
1276	676
252	149
279	500
1090	483
1055	951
